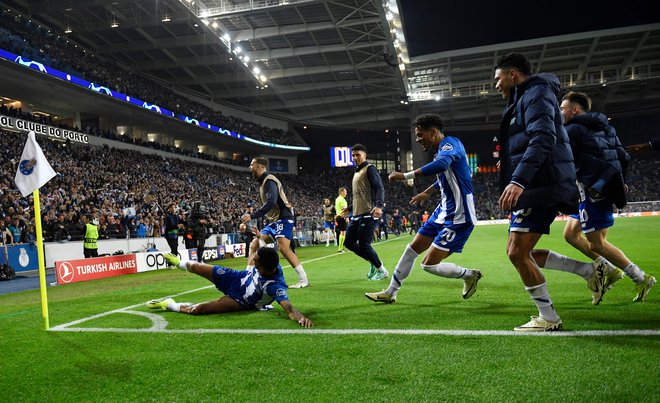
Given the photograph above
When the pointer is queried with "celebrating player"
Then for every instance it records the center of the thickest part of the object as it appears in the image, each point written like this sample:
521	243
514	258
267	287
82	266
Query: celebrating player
255	288
451	223
328	213
368	200
279	213
601	162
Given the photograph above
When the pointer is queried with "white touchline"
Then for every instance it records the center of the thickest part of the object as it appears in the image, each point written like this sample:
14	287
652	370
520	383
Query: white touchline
160	325
415	332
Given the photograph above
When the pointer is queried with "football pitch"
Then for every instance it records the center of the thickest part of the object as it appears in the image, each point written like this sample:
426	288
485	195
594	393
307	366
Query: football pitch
431	345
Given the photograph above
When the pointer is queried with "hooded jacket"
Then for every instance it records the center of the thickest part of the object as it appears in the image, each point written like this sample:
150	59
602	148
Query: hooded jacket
600	159
536	153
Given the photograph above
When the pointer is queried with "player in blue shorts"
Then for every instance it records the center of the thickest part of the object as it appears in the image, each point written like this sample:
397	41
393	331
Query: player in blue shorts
328	214
279	212
601	163
451	224
251	289
537	175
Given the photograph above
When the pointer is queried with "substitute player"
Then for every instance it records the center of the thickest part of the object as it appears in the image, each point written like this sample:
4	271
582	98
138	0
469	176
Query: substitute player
328	213
600	162
252	289
277	209
449	227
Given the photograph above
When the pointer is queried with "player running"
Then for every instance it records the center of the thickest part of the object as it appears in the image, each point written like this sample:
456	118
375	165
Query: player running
450	225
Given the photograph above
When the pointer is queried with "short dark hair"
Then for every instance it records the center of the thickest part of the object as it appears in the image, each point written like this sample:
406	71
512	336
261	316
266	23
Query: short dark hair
359	147
268	259
516	61
428	121
261	161
579	98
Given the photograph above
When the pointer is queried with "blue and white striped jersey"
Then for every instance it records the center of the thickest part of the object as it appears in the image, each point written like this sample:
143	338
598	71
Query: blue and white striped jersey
454	182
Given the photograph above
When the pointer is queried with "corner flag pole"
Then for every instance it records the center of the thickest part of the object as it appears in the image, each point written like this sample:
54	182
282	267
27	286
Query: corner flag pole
40	254
32	173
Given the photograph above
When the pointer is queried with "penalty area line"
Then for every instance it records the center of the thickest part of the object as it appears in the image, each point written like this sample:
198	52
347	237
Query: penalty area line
413	332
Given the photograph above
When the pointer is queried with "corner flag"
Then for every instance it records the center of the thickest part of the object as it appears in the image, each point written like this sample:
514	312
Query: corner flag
33	170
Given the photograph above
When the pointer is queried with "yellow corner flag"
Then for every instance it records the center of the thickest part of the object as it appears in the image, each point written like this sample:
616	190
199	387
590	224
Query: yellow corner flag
33	172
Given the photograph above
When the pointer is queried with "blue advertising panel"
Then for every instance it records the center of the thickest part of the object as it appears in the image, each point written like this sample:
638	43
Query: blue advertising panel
22	257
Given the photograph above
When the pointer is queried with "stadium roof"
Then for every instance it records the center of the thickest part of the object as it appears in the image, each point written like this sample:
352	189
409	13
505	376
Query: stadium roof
344	62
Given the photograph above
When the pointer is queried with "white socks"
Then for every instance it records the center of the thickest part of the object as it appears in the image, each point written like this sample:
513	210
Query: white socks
448	270
555	261
302	276
636	274
183	265
541	297
174	306
402	270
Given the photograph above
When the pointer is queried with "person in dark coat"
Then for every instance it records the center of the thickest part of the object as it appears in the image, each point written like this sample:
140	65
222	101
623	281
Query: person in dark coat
537	175
601	164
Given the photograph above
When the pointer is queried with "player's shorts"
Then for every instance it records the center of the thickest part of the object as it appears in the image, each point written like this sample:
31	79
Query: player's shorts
329	224
341	223
448	237
533	219
595	215
279	229
228	282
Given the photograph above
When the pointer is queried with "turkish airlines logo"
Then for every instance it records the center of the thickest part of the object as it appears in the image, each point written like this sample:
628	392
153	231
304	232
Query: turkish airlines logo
65	272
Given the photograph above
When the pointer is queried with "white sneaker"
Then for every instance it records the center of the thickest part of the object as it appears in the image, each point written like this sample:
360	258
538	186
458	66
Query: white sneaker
300	284
597	282
470	284
539	324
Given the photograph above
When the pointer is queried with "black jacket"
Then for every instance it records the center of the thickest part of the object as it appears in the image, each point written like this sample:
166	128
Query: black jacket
535	149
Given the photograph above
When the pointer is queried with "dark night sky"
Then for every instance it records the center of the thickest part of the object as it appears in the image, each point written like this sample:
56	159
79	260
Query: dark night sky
435	26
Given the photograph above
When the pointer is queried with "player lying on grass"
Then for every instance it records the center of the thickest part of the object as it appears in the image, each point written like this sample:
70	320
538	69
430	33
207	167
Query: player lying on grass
255	288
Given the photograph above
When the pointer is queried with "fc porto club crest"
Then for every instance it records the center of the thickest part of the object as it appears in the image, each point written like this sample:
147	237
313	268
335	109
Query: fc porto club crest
26	167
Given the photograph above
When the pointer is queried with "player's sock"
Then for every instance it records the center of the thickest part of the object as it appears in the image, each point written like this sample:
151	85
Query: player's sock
327	241
636	274
302	276
448	270
402	270
555	261
341	241
174	306
541	297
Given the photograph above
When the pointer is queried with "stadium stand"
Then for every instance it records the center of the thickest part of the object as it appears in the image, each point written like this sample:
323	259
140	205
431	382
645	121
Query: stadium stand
20	36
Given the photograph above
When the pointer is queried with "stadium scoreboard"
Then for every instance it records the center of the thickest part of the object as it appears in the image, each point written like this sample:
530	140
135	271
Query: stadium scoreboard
341	157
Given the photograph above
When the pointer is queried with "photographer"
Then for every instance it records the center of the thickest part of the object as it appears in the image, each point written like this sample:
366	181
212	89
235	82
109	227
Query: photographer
172	228
198	222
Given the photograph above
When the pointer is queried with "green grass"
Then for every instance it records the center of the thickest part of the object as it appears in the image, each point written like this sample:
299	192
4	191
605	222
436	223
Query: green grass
109	366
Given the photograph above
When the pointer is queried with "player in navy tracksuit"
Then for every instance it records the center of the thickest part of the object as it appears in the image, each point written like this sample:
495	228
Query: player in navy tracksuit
601	163
450	225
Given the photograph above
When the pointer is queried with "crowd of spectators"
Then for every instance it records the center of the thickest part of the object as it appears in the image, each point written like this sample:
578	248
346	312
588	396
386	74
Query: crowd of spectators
19	35
127	191
111	135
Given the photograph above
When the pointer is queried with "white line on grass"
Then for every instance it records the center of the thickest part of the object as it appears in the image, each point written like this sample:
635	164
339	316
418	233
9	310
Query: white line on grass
414	332
160	325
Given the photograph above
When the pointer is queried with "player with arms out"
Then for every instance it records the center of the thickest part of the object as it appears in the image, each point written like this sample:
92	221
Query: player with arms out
449	227
279	212
253	289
